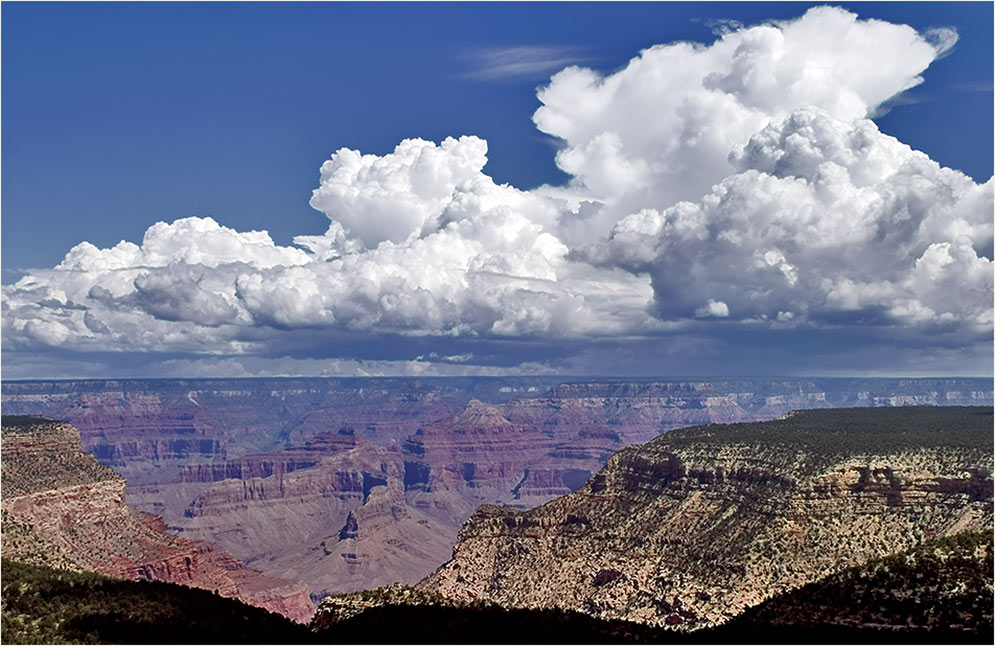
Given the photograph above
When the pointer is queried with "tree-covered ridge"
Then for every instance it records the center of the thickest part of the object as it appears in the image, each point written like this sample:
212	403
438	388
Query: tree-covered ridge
40	454
855	430
834	434
338	608
938	592
41	605
942	586
22	544
485	624
26	423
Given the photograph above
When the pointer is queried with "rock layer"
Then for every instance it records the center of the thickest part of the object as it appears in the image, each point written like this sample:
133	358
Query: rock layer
695	526
67	500
253	465
342	524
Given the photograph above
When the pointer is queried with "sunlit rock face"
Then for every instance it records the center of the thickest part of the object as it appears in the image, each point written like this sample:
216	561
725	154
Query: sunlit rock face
697	525
347	484
58	497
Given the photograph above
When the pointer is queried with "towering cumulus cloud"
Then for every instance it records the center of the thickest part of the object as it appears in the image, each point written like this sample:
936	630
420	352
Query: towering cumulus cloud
825	221
661	129
715	190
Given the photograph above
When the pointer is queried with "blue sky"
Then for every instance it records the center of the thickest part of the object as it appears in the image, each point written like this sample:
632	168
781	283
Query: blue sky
120	115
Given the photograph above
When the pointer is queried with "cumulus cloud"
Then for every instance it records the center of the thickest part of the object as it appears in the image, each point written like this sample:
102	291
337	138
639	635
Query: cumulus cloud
398	195
195	241
660	130
734	185
824	219
716	309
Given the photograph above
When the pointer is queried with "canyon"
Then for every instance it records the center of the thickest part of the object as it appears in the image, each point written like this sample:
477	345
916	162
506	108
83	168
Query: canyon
61	508
347	484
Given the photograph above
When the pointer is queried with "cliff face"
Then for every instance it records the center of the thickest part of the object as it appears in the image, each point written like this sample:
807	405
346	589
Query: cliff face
695	526
59	497
478	448
41	455
270	469
151	430
201	431
344	524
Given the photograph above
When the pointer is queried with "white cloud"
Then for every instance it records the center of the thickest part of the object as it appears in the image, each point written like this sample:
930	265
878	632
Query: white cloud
822	216
660	130
712	309
522	61
195	241
184	292
942	39
398	195
736	182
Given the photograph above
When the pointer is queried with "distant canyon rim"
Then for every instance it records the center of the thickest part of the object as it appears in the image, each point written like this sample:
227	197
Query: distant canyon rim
348	484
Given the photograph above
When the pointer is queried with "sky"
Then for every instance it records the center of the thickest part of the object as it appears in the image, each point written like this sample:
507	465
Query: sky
668	189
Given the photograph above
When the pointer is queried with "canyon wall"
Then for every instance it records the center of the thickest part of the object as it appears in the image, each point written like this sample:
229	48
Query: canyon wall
698	524
347	484
56	497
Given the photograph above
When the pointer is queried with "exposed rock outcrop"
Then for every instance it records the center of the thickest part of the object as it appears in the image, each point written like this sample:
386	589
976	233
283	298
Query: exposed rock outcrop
344	524
695	526
64	499
254	465
478	448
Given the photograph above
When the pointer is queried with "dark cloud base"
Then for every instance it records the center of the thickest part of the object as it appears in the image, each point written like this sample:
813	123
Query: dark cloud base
731	352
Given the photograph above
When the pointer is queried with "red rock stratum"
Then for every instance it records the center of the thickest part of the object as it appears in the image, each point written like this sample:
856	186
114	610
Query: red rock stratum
57	498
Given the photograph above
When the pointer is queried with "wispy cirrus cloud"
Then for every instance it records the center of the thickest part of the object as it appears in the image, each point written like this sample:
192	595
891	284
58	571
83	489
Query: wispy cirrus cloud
973	86
942	39
522	61
720	26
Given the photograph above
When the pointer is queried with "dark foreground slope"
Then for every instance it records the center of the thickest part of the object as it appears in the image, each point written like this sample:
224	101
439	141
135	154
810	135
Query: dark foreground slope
942	587
939	592
42	605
